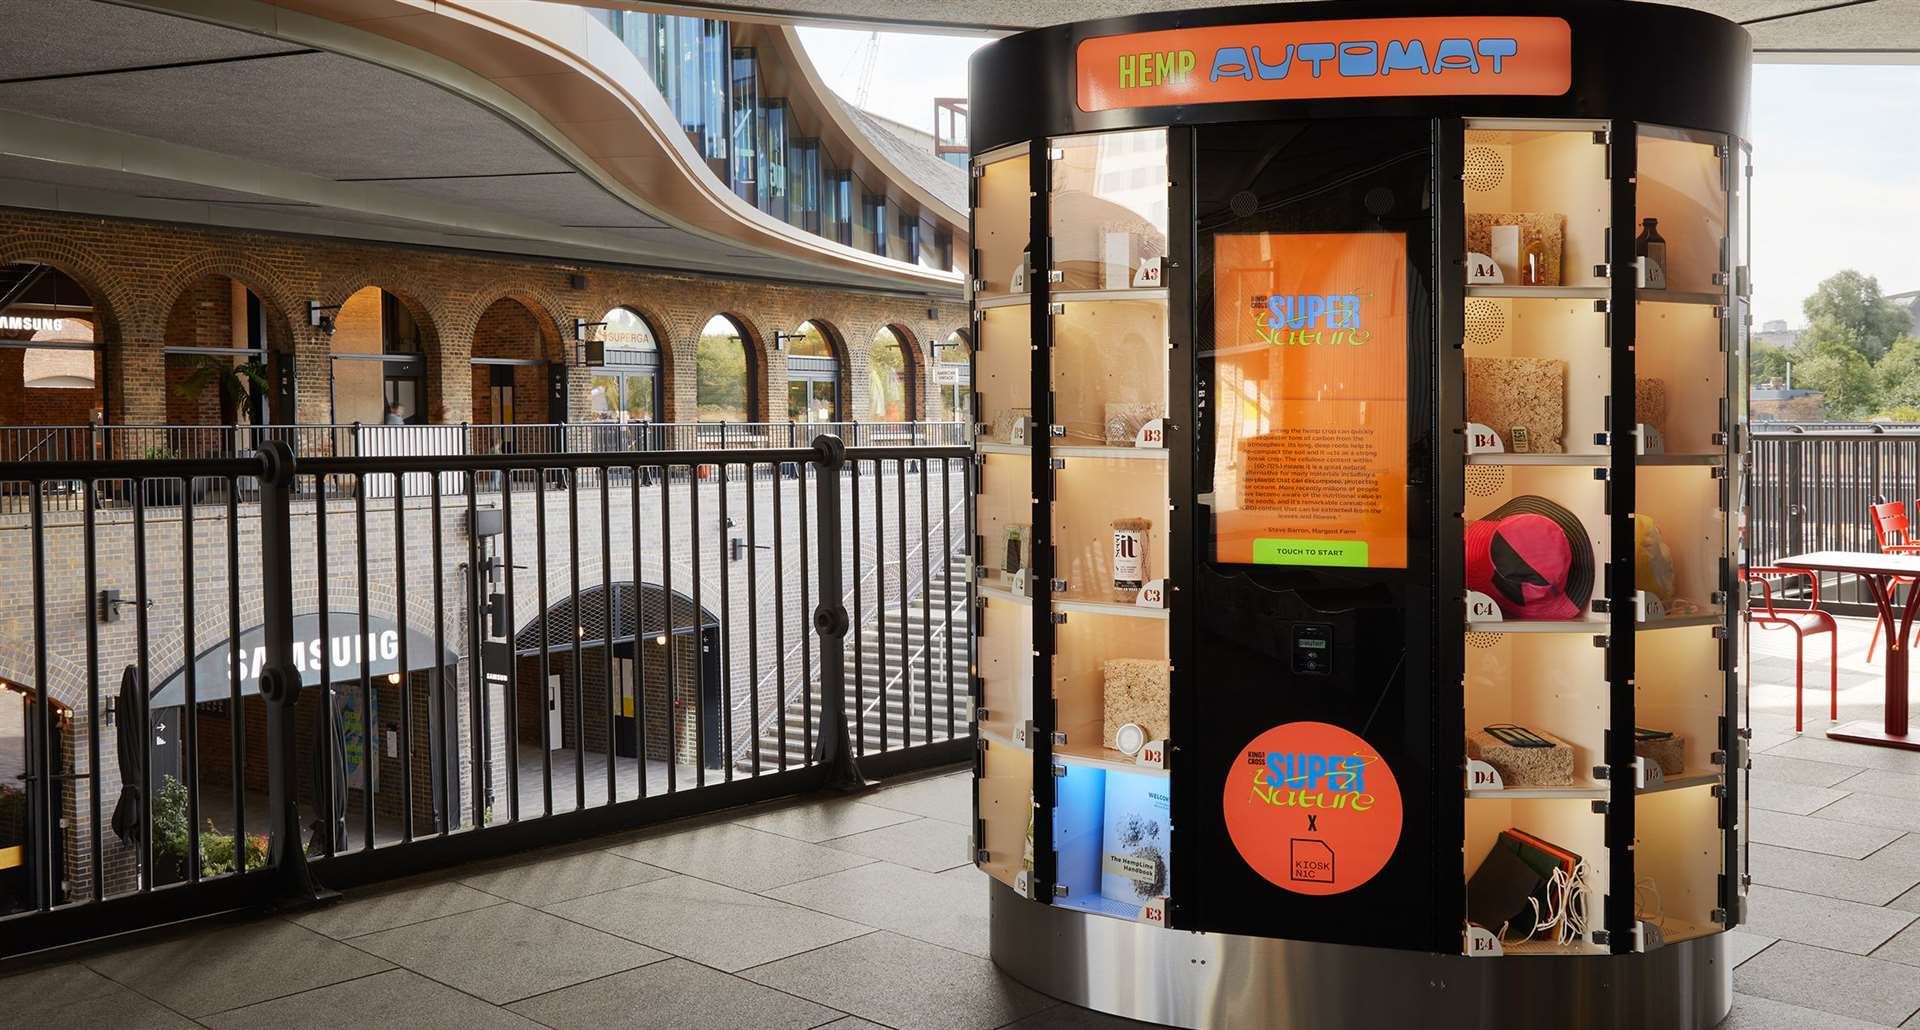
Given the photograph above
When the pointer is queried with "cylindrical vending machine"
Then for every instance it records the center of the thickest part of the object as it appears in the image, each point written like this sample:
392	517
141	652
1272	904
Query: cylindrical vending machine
1361	393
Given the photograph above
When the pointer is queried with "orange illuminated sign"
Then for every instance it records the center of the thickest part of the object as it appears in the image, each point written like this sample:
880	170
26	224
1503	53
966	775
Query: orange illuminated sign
1315	60
1310	367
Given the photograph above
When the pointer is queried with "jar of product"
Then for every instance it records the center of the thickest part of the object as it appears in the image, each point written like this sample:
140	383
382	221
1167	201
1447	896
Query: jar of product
1129	558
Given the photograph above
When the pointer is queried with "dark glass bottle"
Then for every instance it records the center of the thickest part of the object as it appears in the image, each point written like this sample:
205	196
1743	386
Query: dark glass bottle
1651	248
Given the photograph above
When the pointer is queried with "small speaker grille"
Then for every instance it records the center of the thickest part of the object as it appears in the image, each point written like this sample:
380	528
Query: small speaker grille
1483	641
1486	481
1243	204
1486	323
1485	170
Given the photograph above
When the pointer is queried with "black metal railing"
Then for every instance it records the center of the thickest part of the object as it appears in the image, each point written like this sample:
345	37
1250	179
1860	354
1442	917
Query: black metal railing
180	442
1809	489
243	684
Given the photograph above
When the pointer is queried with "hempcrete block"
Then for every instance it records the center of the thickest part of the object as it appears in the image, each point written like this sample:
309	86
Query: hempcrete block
1670	754
1135	692
1525	766
1530	392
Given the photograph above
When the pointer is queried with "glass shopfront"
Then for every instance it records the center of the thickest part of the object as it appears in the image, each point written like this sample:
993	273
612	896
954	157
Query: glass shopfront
627	388
813	376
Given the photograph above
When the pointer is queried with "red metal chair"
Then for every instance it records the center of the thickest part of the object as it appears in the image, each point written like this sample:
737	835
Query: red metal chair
1894	531
1804	624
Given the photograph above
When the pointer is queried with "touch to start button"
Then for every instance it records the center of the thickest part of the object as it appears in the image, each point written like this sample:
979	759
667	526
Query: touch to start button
1333	553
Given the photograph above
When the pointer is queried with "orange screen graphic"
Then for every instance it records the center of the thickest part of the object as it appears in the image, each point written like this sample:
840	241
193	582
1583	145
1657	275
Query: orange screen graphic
1381	57
1310	372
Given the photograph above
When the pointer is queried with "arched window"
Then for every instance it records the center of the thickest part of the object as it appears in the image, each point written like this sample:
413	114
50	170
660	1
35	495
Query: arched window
514	350
627	387
953	380
723	373
216	356
890	377
379	360
813	375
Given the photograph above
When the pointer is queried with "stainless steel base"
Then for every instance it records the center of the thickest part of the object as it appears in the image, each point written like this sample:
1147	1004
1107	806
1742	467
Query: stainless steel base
1206	980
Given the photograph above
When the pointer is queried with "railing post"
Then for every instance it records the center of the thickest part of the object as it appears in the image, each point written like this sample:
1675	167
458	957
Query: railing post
833	749
280	680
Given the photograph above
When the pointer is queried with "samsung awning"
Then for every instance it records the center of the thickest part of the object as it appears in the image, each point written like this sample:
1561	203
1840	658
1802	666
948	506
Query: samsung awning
342	651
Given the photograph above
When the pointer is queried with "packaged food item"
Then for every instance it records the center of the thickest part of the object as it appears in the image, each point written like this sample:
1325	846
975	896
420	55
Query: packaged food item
1129	558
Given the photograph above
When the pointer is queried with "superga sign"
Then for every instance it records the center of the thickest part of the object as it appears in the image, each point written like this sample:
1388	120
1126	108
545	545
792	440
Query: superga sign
1312	60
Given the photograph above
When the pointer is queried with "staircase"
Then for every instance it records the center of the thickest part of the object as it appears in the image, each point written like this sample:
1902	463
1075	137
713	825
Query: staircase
894	702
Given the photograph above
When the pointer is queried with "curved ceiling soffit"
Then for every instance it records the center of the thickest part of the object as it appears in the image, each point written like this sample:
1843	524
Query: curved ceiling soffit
372	31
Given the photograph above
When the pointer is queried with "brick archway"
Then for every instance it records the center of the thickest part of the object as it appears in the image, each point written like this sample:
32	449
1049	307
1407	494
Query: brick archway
759	357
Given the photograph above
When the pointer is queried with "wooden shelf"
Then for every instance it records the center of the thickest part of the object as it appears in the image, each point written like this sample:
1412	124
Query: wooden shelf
1011	300
1680	297
1089	296
1002	740
1103	758
1125	611
1001	593
1592	791
1591	624
1021	449
1540	947
1542	292
1109	452
1576	460
1658	460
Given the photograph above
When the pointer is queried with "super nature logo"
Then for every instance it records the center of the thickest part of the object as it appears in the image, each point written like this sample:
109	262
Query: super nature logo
1311	320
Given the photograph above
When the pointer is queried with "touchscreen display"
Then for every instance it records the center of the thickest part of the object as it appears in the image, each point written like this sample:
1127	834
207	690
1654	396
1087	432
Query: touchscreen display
1310	374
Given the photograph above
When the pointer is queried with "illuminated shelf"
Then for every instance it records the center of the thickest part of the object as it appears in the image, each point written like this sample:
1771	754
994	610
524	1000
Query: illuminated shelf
1680	297
1538	947
1125	611
1680	459
1594	460
1021	449
1590	624
1086	296
1001	593
1103	758
1542	292
1116	453
1101	905
1593	791
1001	739
1012	300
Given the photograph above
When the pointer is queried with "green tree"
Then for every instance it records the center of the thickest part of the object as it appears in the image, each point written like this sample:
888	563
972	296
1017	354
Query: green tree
1899	374
1833	364
1851	301
720	378
1769	363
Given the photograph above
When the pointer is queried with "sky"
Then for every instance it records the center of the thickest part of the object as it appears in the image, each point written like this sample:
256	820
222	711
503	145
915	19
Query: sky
908	73
1836	179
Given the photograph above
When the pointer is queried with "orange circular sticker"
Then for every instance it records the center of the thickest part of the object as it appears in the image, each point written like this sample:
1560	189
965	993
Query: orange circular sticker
1313	808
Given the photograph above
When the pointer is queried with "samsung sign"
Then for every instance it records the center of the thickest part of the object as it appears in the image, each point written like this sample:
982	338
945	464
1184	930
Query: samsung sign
343	650
24	323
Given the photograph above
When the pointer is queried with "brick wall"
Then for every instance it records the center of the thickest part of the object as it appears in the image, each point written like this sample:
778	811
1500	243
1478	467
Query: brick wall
154	284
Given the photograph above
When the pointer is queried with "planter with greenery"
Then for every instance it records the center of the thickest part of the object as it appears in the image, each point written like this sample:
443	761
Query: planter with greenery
170	840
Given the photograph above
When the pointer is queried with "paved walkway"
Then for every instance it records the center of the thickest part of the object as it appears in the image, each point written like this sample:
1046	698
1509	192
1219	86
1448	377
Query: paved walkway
856	914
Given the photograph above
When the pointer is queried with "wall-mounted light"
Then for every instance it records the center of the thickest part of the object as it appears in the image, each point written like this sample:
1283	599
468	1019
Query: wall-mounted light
112	707
661	640
320	316
780	339
577	281
588	344
393	678
107	605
